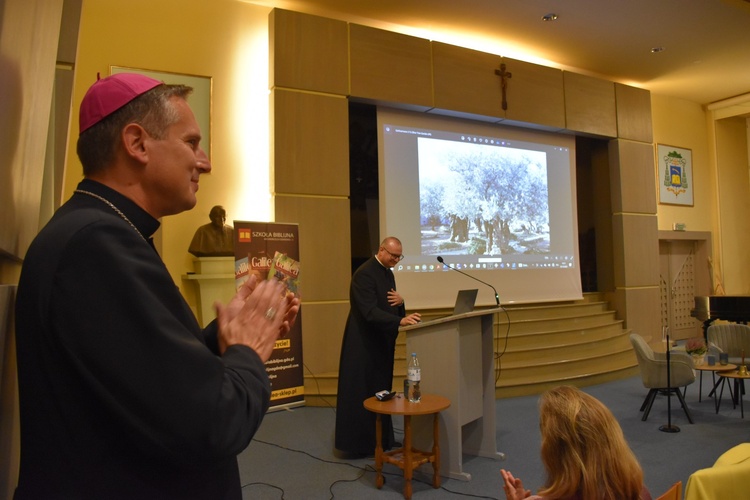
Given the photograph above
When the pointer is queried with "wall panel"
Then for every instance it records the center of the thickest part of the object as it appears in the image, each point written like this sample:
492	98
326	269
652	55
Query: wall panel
390	67
324	237
633	113
636	249
535	95
465	81
632	183
305	145
590	105
639	308
308	52
323	328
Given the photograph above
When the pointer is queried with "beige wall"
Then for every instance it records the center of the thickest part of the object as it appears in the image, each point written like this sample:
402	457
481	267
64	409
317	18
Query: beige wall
720	181
682	123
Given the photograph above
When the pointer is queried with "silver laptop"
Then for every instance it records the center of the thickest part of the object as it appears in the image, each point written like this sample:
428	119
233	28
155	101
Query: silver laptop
465	301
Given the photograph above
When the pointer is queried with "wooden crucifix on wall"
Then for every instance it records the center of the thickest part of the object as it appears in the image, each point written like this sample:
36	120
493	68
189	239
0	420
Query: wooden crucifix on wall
504	77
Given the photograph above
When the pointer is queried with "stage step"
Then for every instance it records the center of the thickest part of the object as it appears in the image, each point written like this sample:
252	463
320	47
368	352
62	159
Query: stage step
537	347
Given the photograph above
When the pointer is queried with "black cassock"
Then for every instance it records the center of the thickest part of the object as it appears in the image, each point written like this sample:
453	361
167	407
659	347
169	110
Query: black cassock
366	364
122	394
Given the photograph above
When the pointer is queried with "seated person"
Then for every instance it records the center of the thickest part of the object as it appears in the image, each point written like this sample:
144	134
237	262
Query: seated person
215	239
584	452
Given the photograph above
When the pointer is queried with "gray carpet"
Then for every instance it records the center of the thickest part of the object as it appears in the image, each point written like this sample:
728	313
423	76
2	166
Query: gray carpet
292	458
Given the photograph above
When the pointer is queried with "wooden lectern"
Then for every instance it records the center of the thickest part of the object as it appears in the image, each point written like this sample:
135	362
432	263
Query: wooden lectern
456	357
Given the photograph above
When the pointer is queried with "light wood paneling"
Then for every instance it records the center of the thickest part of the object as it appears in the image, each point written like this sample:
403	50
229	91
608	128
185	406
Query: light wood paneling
390	67
310	136
308	52
527	342
465	81
636	249
632	177
641	311
323	328
557	325
398	70
633	113
590	105
324	237
535	95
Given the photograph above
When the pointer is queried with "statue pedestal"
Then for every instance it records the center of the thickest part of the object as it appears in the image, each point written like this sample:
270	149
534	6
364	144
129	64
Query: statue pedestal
214	279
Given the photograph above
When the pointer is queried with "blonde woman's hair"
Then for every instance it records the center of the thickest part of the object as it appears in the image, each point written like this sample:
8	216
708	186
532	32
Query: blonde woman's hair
584	450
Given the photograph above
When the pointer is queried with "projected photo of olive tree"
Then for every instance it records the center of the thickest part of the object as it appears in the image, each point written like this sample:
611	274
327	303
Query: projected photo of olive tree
481	199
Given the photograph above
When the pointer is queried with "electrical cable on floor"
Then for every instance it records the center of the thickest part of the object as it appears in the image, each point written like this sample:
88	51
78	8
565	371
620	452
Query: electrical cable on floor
363	471
317	385
330	488
260	483
499	355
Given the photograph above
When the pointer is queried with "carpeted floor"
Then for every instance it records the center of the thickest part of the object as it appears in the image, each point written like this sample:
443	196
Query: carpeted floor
292	454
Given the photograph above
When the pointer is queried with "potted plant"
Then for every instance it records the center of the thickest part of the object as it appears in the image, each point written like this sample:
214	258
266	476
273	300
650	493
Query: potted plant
696	347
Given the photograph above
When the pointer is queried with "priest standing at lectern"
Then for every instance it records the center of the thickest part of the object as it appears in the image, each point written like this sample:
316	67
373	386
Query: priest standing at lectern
366	365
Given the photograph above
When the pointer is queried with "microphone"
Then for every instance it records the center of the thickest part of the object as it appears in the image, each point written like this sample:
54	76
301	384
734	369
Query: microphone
497	297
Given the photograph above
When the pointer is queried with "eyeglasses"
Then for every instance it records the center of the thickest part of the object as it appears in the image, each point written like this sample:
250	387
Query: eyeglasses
397	257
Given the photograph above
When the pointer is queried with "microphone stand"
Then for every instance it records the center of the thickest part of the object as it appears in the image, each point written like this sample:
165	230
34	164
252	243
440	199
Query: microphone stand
497	297
669	427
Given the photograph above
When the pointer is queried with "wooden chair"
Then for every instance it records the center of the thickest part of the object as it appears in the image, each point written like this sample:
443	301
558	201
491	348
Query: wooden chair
673	493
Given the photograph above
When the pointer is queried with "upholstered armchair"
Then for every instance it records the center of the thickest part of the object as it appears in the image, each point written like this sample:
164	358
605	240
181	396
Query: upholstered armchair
653	367
730	338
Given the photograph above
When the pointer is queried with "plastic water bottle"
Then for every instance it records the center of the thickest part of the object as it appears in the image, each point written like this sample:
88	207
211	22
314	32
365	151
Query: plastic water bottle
413	376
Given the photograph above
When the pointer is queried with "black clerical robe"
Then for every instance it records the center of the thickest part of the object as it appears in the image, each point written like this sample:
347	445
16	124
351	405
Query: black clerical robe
366	364
122	395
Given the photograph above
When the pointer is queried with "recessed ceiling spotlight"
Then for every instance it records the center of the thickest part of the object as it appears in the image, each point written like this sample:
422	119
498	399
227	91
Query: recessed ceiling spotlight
656	50
549	17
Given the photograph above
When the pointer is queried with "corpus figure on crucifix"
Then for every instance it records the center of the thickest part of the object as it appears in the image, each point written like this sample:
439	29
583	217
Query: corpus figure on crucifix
504	77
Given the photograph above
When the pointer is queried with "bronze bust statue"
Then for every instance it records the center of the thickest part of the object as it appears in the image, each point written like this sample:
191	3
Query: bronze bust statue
215	239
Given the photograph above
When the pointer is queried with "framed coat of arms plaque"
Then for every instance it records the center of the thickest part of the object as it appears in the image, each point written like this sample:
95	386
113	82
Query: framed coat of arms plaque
675	175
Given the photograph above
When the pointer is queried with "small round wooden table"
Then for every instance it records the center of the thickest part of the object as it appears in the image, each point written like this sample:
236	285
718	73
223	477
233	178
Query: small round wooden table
705	367
738	387
407	458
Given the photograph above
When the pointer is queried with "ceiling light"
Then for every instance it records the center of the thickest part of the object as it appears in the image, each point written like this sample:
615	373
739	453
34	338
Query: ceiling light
549	17
656	50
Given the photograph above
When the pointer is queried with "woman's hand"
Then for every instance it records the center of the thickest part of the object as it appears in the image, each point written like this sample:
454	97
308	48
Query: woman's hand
513	487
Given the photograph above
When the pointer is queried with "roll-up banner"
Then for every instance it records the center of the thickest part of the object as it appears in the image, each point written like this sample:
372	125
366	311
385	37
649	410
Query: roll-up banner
270	250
